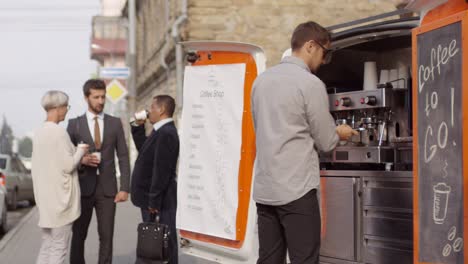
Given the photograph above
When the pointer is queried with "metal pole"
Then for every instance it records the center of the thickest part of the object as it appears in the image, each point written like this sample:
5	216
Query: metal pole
132	54
132	78
111	55
179	55
112	58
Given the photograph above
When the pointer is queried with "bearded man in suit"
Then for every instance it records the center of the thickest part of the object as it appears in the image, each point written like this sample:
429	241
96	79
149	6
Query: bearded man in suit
97	174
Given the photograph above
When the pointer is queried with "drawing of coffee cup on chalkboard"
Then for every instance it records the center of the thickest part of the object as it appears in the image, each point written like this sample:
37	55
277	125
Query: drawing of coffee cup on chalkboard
441	197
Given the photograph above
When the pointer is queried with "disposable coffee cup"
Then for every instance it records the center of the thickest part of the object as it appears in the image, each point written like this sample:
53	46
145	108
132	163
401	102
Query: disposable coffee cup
142	115
384	74
82	145
403	76
393	76
370	75
97	155
82	148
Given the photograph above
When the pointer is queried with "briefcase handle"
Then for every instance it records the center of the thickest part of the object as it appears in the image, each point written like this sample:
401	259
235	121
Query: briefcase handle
154	217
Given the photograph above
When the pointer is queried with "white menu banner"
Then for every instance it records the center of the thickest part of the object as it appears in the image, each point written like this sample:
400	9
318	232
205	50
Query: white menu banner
211	136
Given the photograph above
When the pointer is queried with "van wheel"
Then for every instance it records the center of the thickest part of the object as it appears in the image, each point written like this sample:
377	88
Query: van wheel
3	226
14	201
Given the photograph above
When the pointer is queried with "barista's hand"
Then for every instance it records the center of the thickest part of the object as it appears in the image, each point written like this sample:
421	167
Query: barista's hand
345	132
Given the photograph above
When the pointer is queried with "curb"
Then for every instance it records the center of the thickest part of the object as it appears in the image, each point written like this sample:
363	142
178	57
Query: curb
10	234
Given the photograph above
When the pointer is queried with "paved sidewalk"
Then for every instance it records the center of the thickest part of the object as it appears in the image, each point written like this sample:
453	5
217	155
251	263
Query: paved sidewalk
22	245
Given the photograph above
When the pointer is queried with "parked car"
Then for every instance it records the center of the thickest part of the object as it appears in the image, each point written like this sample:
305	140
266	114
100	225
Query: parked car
3	205
18	180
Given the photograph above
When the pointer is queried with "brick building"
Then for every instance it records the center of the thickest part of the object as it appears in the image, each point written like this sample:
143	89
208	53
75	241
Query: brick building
266	23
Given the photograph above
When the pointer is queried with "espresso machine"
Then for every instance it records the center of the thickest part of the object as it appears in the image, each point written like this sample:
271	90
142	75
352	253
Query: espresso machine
381	118
366	182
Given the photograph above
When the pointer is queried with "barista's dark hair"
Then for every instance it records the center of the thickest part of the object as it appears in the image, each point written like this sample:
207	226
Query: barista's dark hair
167	101
309	31
95	84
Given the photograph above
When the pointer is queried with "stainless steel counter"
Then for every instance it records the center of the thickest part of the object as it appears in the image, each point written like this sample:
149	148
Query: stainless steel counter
365	173
367	216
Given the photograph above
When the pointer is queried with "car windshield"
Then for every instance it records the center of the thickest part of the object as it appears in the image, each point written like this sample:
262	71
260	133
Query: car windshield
3	162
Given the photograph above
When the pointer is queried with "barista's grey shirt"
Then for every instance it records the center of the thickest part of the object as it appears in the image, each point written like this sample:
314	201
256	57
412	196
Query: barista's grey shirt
291	116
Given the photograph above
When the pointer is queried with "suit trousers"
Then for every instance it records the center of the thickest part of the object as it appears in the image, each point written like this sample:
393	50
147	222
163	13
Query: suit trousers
105	214
54	245
167	217
293	228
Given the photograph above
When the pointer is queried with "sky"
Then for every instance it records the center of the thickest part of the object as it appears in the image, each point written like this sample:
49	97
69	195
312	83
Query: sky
44	45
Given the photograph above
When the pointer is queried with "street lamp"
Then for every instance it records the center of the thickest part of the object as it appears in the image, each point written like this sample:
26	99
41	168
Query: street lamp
96	46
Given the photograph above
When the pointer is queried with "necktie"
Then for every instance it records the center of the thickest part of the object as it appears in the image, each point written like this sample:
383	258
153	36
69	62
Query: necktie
97	134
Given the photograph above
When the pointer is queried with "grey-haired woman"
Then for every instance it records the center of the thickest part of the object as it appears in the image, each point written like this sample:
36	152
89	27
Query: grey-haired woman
55	179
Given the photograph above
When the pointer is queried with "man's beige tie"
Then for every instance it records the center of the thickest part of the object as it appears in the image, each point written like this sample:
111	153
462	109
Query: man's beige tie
97	134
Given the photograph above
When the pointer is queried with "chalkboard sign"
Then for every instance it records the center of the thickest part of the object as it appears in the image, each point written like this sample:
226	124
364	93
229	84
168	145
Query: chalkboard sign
440	170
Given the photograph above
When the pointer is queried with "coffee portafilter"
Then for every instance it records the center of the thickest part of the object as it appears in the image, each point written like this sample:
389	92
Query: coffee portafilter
371	132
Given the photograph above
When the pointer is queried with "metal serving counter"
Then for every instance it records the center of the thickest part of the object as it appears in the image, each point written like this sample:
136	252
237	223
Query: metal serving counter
367	216
366	173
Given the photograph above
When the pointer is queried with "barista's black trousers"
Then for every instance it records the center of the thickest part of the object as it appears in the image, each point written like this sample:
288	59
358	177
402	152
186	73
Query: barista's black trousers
294	227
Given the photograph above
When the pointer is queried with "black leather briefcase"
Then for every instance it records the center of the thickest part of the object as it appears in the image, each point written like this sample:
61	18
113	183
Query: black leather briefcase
153	242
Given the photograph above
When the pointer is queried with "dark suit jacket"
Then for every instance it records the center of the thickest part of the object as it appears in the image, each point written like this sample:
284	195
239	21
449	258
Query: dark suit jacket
114	141
154	175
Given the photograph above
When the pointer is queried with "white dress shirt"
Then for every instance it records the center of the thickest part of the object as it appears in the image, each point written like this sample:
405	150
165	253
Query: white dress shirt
90	117
161	123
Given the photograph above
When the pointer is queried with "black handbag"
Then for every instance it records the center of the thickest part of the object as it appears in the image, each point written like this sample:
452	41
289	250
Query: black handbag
153	241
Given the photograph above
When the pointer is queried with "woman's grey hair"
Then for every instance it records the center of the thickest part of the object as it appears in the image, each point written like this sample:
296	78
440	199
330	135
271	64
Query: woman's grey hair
54	99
